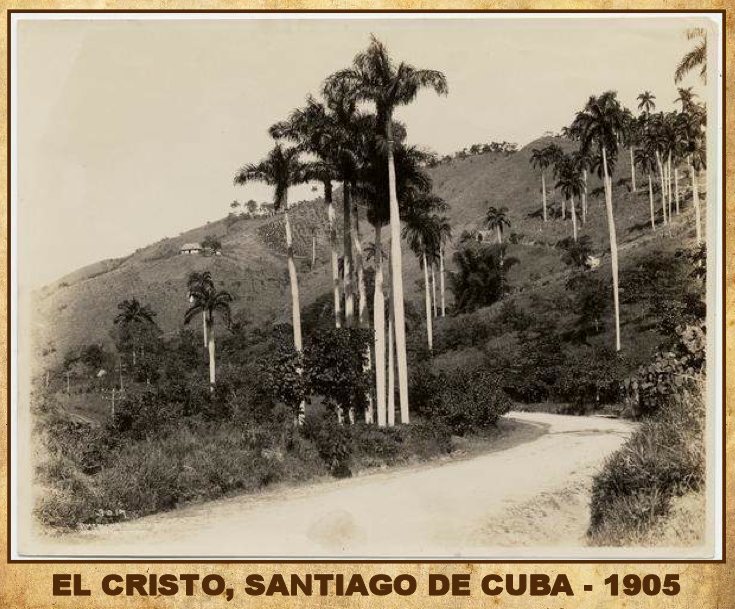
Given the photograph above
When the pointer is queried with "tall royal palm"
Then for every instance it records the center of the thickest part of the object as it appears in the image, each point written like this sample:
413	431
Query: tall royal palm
646	102
206	299
422	234
540	160
194	280
571	185
281	169
374	77
598	125
645	158
134	317
496	219
313	130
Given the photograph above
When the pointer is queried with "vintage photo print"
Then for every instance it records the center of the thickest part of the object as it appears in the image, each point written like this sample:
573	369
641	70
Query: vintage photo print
366	286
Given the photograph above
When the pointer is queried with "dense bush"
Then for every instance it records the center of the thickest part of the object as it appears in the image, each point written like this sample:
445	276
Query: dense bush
666	457
464	401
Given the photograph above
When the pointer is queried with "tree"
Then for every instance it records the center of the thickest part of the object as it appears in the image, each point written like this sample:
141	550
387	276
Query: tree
444	230
422	234
571	185
646	102
479	280
576	252
281	169
200	280
540	159
375	78
496	219
696	58
206	299
598	124
211	244
327	130
252	206
134	321
645	159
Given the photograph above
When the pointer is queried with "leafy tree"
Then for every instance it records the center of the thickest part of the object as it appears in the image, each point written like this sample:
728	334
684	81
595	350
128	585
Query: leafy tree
480	277
212	244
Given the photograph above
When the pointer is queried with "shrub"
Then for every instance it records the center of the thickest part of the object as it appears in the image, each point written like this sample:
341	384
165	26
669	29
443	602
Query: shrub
664	459
463	401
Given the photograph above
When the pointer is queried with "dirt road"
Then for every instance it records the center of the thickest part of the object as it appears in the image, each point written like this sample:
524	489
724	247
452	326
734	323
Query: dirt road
529	499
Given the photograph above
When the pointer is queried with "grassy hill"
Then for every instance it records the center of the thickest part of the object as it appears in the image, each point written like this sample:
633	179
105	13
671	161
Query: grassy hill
80	307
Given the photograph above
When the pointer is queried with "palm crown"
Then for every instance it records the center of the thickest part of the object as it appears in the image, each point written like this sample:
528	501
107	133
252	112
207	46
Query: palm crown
280	169
207	299
497	218
599	123
132	311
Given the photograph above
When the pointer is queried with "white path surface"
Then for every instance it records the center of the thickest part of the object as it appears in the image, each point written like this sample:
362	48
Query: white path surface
528	500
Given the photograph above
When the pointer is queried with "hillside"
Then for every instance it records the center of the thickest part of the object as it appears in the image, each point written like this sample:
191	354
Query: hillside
80	307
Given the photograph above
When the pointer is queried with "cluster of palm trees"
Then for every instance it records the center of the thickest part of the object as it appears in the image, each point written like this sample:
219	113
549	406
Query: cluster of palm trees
666	146
348	136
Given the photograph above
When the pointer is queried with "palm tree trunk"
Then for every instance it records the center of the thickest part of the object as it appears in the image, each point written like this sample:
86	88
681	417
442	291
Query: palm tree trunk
695	198
574	217
295	301
347	256
668	184
433	291
441	280
379	328
650	200
335	258
676	189
313	249
427	299
663	188
632	170
563	208
584	197
397	280
362	305
391	371
204	329
500	235
613	247
212	360
543	192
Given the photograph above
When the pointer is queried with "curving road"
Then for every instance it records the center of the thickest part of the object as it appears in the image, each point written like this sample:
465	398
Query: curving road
529	499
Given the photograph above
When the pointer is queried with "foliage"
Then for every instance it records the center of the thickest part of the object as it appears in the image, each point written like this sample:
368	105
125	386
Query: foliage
464	401
480	279
576	253
334	362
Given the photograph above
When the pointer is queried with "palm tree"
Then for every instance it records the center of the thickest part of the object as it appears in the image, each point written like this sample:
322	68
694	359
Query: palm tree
540	159
444	231
646	102
281	169
198	279
206	299
375	78
696	58
694	149
629	137
421	232
686	98
496	219
646	160
598	124
314	130
133	316
372	188
571	184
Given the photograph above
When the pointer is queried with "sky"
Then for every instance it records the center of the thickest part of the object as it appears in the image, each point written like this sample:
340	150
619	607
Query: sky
132	130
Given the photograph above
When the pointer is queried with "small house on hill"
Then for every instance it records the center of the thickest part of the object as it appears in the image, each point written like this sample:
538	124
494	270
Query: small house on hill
190	248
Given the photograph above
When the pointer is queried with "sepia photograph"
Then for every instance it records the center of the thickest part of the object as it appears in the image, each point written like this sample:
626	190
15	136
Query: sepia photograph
366	286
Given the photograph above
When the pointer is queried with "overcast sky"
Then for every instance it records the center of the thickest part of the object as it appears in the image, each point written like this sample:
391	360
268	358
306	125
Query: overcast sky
130	131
